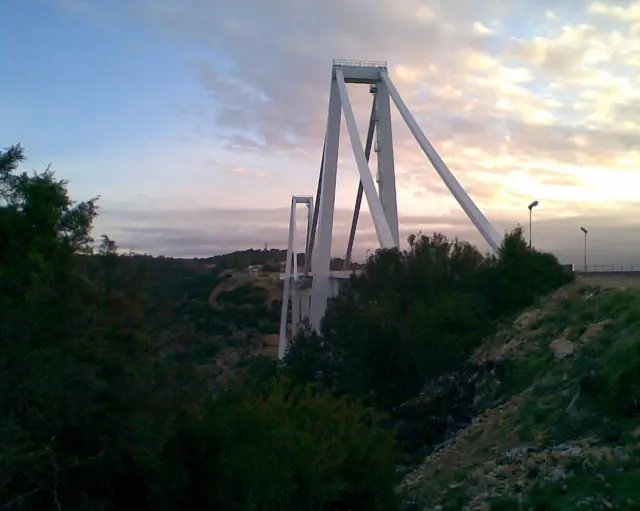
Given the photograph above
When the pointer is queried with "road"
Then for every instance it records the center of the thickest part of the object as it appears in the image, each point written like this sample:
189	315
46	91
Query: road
628	279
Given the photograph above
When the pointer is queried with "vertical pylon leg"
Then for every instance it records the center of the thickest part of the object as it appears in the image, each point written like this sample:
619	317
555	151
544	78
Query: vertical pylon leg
295	312
286	294
308	248
322	246
294	251
386	167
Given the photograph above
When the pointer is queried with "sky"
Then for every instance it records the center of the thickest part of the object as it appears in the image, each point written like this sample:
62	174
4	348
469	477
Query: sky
195	121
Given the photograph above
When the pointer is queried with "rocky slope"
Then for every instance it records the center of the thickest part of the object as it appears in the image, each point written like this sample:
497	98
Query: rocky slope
548	415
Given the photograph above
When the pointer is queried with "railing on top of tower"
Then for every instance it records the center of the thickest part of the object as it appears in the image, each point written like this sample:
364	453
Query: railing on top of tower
381	64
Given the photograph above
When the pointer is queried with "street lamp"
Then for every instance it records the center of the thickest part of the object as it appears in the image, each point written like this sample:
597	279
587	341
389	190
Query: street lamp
531	206
585	247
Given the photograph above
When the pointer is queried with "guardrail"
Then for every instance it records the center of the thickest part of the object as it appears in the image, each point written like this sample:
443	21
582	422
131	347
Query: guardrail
360	63
607	268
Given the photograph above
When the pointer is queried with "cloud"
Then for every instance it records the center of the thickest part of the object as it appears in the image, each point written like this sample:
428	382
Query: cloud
480	28
631	13
202	232
522	98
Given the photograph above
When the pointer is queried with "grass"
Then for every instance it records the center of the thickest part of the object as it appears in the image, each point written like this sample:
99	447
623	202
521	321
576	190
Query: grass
593	393
608	485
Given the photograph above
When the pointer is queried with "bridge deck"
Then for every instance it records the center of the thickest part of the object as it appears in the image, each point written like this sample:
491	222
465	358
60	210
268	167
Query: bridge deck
336	274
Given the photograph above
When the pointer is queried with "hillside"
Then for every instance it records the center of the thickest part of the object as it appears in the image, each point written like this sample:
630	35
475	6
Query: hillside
485	380
270	260
245	258
554	411
218	319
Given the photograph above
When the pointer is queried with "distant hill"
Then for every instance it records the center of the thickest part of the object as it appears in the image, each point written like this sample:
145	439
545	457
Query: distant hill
244	258
271	258
178	306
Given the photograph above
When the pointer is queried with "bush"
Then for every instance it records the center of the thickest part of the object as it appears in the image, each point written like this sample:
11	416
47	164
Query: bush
96	416
271	267
519	275
414	315
615	385
288	448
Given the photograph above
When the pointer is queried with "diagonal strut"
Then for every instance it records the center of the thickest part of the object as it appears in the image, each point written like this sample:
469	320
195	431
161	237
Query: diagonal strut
375	206
311	238
356	209
481	222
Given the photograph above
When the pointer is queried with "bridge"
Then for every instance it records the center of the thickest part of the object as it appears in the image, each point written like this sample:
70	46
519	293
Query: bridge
308	289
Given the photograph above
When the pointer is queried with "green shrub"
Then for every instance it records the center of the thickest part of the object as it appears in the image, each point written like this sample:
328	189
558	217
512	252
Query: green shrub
96	416
271	267
290	448
615	386
519	275
414	315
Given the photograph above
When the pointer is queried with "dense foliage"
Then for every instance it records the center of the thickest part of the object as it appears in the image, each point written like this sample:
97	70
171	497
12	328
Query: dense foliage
415	314
613	381
105	404
96	416
251	257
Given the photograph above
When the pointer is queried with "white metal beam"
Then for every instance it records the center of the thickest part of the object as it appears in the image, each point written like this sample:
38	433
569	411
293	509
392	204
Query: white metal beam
375	206
483	225
321	257
290	291
356	209
310	214
294	251
386	165
309	255
286	293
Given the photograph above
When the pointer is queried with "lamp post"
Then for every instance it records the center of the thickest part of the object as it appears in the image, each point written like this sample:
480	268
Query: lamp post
531	206
585	247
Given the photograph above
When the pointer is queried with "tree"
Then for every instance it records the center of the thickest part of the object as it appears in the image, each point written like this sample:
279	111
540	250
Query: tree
107	246
94	416
410	316
77	376
413	315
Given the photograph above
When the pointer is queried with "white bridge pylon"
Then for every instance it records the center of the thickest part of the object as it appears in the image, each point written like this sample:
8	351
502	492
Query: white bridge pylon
310	291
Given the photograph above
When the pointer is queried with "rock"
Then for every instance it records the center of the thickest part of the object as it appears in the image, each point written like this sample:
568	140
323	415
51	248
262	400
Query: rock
557	475
270	340
489	465
593	331
492	480
531	464
478	474
540	457
607	454
526	319
401	469
556	456
562	348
